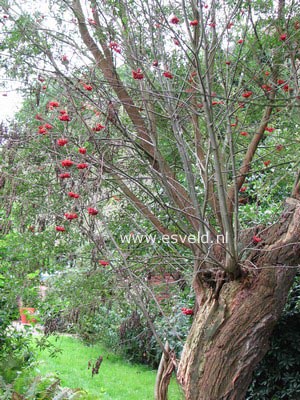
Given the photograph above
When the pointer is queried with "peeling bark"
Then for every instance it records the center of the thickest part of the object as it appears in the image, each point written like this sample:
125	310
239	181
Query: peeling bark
166	367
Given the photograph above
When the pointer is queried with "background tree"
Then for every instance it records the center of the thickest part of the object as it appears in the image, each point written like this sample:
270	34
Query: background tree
182	109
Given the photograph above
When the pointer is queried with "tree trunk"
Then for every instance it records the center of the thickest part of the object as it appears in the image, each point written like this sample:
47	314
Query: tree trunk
166	367
230	333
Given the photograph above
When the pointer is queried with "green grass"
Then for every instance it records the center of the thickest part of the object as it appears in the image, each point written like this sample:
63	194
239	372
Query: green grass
117	378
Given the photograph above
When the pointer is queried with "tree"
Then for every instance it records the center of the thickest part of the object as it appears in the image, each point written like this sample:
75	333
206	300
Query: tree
190	111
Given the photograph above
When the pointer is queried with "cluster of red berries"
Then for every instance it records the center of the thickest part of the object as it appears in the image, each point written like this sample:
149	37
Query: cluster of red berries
67	163
187	311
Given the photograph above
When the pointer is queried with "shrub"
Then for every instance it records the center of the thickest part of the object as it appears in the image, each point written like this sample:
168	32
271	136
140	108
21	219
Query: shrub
278	374
15	347
16	354
136	340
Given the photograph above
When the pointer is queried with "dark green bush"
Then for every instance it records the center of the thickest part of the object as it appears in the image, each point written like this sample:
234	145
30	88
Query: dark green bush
138	343
278	375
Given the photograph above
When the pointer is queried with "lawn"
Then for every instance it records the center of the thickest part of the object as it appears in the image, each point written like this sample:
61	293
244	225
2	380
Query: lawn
117	378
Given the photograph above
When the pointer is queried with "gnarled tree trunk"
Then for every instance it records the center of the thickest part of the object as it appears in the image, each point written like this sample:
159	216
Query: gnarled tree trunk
230	333
166	367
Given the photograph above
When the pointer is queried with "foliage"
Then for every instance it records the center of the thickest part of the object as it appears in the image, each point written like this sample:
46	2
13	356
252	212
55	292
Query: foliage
15	349
18	283
16	354
278	374
41	388
138	344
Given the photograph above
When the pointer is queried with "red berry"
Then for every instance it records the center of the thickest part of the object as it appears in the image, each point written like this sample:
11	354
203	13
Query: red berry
167	74
247	94
71	216
64	176
62	142
88	87
67	163
73	195
174	20
103	263
82	165
92	211
256	239
64	117
279	147
283	37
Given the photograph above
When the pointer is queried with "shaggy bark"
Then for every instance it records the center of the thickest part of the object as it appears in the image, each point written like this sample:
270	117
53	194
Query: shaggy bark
166	367
230	333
